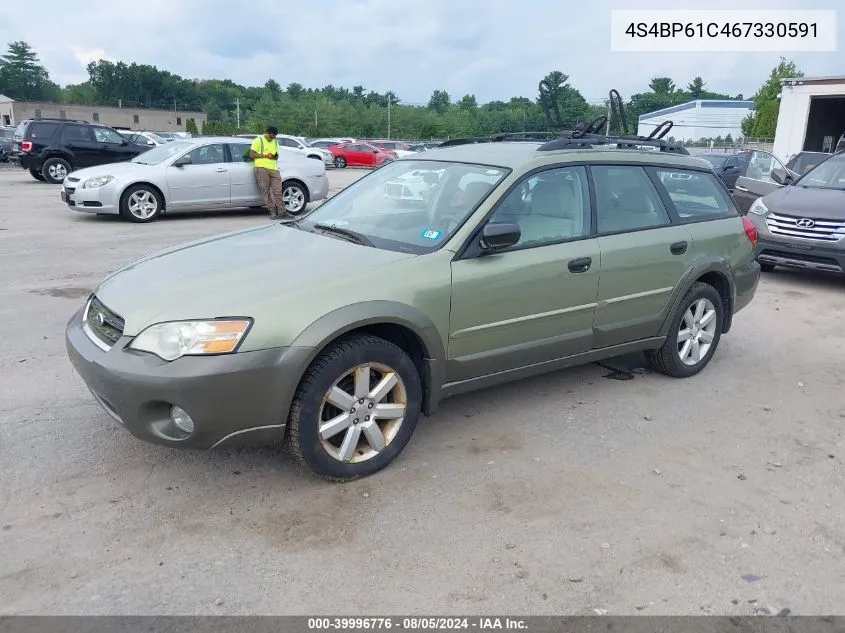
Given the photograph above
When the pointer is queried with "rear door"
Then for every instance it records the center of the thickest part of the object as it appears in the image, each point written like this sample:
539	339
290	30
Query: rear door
756	179
205	182
354	155
79	140
244	188
643	254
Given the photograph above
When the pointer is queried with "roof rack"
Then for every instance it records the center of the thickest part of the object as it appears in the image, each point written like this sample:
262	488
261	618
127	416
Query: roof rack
48	118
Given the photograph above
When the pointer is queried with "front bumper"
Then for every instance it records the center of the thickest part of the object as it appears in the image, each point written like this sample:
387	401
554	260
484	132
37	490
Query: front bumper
233	399
802	254
100	200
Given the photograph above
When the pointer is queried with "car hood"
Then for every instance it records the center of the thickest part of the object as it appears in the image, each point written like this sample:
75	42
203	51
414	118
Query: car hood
237	274
822	204
117	170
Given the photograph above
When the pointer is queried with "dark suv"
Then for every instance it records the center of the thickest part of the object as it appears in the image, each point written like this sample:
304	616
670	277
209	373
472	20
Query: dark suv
52	148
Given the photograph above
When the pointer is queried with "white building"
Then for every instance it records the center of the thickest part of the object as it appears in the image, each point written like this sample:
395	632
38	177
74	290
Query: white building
811	116
703	118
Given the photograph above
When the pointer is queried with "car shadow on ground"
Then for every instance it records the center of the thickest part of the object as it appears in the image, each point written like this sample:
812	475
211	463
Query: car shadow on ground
809	280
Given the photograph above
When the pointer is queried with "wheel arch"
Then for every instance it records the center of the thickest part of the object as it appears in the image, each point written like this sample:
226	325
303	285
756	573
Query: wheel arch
715	272
402	325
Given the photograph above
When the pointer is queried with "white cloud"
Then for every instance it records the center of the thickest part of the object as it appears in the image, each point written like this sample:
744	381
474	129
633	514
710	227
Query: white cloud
494	49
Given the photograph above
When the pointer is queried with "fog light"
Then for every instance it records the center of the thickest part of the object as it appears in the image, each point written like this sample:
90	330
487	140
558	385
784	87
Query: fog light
181	419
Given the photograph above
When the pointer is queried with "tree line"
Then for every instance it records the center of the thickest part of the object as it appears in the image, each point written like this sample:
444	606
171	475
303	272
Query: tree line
357	111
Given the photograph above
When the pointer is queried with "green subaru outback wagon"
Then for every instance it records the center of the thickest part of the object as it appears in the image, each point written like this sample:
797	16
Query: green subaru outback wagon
434	275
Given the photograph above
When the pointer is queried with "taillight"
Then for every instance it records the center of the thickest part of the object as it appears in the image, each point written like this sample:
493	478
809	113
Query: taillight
26	146
750	230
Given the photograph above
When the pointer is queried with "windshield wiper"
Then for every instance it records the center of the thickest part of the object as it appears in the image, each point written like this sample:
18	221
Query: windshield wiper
347	233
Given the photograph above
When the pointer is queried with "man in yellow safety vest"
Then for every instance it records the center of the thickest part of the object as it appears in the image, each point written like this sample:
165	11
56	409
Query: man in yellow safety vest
265	154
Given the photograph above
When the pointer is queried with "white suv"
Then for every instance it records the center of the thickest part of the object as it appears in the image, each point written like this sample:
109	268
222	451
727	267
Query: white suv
300	146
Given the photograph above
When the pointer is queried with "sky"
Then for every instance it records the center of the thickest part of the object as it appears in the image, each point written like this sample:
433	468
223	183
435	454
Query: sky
494	49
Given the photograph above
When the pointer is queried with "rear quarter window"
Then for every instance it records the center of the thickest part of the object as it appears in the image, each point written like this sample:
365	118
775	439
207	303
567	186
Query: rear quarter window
42	131
696	195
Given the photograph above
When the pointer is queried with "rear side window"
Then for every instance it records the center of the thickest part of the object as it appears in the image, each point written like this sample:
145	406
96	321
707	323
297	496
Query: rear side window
42	131
696	195
626	199
76	133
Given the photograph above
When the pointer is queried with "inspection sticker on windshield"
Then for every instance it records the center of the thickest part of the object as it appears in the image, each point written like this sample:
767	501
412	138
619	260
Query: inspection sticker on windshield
431	234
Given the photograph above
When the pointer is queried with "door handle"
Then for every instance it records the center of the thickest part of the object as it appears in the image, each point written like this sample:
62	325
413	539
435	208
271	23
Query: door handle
740	187
221	169
580	265
679	248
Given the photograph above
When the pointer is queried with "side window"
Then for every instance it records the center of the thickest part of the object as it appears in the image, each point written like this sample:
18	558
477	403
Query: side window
208	154
626	199
42	131
240	152
77	134
761	165
696	195
288	142
106	135
550	206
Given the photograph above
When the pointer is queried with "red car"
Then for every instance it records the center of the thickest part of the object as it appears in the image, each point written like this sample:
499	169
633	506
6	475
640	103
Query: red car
359	155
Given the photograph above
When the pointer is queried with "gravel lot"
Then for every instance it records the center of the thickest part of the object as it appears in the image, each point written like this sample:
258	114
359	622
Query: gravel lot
571	493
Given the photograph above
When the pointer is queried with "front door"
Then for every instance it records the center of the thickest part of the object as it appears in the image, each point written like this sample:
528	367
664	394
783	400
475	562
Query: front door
643	256
204	182
113	148
756	179
534	302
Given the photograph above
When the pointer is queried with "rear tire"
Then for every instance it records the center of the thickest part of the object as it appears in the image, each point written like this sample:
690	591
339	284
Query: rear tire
295	197
141	204
355	408
340	162
694	334
55	170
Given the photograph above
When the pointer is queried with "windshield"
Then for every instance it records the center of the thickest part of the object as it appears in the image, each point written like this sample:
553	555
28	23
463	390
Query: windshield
409	206
802	163
161	153
828	175
716	161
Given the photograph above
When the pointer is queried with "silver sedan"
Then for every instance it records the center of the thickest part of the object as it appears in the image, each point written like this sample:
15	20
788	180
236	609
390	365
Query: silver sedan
190	175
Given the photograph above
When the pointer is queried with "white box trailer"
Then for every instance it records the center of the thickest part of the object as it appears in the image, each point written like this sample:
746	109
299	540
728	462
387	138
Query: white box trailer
811	117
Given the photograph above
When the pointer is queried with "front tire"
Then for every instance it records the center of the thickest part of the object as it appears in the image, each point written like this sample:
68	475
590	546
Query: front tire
694	334
355	409
55	170
340	162
140	204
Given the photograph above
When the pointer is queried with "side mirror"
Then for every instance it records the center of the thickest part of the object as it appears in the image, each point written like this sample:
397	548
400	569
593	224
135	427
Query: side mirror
782	176
150	143
499	235
182	161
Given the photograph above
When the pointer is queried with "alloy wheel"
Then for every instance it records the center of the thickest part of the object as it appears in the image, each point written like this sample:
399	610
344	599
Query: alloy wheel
697	331
143	204
57	171
362	413
293	198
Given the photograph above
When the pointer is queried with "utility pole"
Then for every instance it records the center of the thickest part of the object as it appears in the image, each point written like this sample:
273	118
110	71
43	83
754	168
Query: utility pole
120	103
238	110
389	99
174	103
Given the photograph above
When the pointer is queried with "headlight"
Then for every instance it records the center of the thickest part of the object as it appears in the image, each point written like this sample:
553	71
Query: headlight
759	207
173	340
96	183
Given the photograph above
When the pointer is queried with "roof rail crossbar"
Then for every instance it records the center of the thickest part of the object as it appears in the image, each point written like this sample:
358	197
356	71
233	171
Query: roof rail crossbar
586	141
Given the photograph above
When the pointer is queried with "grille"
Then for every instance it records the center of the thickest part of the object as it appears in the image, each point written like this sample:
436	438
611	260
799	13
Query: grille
820	230
103	326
